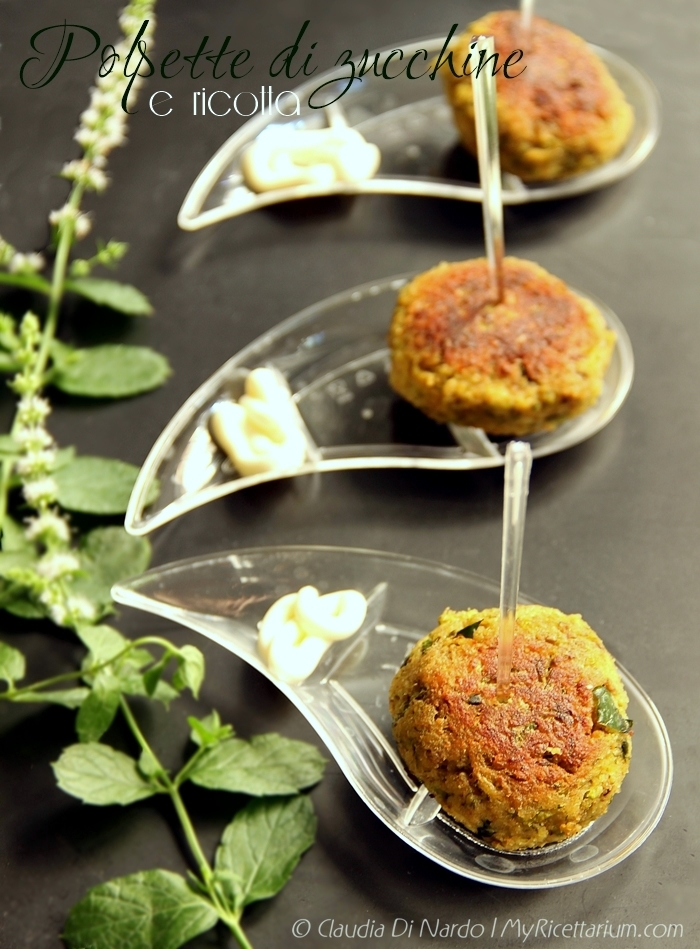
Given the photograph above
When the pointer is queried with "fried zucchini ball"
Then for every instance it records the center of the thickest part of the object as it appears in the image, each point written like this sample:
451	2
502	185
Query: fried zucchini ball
524	365
532	770
560	114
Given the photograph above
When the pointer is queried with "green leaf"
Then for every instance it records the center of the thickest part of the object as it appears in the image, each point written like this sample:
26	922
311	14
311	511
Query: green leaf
18	602
165	693
108	555
14	539
104	643
117	296
261	847
11	560
63	457
70	698
607	714
148	766
208	730
99	708
152	677
28	281
266	765
109	372
12	664
99	774
93	485
190	670
468	631
151	910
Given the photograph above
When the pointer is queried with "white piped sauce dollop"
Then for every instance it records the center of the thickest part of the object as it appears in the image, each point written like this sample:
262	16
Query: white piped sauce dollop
288	157
260	432
298	628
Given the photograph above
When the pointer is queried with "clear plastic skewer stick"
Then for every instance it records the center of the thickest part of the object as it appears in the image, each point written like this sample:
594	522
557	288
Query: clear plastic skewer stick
517	484
486	120
526	10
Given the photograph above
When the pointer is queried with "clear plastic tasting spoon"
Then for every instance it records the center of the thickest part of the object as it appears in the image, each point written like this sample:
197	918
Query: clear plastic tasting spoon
224	596
515	491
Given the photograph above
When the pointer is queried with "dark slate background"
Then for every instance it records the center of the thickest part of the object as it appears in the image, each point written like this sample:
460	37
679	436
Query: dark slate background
613	524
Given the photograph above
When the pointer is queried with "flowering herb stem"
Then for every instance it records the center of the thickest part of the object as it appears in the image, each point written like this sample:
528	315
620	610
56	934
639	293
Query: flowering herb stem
65	242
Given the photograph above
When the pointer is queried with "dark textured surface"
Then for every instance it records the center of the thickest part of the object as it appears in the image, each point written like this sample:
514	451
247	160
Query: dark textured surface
614	524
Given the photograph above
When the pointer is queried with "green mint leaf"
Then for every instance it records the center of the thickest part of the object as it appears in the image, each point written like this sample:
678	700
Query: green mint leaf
131	682
148	766
16	600
70	698
117	296
265	765
606	712
103	642
109	372
14	540
99	708
261	847
12	664
151	910
165	693
208	730
11	560
108	555
99	774
468	631
92	485
190	670
63	457
152	677
26	280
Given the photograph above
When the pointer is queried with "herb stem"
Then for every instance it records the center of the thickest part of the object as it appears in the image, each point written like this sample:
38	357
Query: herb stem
65	242
206	873
136	731
202	863
185	771
237	930
178	804
12	693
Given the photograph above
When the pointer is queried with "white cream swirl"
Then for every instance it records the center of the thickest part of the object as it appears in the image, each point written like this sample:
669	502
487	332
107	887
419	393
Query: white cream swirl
298	628
287	157
260	432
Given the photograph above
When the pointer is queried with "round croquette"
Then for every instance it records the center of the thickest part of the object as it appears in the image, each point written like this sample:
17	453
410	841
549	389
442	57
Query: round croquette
521	366
534	769
562	113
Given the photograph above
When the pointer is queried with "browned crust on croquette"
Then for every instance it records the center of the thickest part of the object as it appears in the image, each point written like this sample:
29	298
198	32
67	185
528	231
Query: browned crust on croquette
522	366
527	772
564	114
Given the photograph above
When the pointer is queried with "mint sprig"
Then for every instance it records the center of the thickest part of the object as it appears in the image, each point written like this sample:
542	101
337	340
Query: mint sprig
259	848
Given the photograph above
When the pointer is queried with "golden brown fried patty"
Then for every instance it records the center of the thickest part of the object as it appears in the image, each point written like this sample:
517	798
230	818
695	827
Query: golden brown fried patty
562	115
526	772
524	365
